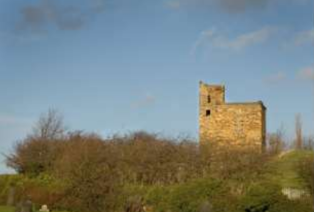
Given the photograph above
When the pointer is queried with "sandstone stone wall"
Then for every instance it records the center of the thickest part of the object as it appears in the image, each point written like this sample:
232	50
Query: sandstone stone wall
230	123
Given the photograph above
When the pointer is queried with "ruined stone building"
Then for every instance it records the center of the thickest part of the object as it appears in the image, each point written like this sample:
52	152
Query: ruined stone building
229	123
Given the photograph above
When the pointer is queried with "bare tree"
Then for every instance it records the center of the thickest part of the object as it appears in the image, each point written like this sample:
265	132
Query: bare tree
276	141
298	132
37	152
49	126
309	142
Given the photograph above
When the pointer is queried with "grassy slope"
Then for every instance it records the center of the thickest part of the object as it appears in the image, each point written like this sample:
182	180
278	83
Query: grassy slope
284	169
11	209
6	209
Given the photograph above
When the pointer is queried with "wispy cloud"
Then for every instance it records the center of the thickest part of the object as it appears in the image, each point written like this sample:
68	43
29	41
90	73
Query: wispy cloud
51	13
204	39
174	4
236	6
276	78
306	73
147	100
230	6
213	39
98	5
6	119
305	37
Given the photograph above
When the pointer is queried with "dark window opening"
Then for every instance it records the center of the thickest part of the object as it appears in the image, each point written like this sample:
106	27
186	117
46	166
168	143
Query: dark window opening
209	99
207	112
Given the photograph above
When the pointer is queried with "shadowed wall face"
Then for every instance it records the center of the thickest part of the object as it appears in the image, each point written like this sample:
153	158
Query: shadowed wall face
230	123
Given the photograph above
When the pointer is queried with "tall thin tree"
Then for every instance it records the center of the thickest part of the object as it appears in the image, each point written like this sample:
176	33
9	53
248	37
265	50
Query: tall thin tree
298	132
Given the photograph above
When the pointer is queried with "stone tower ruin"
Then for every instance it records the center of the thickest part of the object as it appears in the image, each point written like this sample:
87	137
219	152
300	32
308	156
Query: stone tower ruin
229	123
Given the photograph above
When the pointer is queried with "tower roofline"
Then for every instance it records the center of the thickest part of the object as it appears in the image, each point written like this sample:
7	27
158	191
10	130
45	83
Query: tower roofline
212	85
260	103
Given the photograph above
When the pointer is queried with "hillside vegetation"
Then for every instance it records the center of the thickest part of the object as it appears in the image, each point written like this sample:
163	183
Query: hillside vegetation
6	209
255	187
140	172
286	167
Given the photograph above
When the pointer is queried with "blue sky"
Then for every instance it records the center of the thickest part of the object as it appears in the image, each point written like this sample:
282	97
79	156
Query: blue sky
121	65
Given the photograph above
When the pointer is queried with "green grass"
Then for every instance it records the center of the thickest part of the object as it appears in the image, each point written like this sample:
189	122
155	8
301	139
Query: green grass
12	209
284	169
6	209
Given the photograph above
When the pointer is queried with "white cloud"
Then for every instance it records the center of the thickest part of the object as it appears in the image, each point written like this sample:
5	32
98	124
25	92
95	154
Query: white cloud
211	39
306	73
174	4
147	100
6	119
276	78
231	6
203	40
305	37
247	39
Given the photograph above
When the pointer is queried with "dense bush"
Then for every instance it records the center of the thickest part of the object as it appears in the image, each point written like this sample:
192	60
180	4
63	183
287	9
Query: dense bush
261	197
7	182
42	190
185	197
190	196
93	171
84	172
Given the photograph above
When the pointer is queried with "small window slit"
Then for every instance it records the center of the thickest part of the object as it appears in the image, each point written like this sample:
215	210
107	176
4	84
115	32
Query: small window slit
207	112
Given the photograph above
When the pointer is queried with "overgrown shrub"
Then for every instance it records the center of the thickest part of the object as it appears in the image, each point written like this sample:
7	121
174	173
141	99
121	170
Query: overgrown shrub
189	197
6	183
83	172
